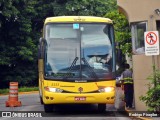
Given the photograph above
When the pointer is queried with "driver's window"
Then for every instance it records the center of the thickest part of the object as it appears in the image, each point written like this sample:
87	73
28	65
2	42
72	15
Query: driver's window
96	45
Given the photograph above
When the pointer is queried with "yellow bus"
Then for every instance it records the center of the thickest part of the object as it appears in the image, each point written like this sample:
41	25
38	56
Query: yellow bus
76	61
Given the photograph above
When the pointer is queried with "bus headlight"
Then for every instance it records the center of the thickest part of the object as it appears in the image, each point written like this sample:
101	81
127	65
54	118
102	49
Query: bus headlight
51	89
106	89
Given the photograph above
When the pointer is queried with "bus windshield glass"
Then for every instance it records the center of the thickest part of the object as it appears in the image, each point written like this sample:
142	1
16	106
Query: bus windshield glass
81	51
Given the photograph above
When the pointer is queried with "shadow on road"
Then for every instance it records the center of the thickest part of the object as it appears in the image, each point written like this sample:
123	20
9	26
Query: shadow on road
85	110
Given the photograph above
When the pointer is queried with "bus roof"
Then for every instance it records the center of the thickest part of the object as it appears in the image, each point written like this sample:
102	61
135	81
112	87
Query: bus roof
77	19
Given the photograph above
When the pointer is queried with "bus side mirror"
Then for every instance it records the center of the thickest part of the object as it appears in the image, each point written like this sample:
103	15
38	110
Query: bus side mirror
118	82
41	40
41	48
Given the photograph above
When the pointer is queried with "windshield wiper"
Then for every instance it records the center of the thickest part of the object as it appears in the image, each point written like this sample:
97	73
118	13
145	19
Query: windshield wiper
71	67
73	64
85	63
90	68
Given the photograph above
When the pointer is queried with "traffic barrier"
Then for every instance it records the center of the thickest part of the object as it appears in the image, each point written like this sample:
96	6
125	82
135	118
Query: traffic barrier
13	95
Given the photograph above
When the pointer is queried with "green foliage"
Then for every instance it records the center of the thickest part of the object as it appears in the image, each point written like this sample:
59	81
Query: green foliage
21	89
152	97
27	89
18	45
4	91
82	7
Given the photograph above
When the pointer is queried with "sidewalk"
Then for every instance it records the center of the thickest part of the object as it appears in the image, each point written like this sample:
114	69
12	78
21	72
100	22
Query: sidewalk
139	115
120	106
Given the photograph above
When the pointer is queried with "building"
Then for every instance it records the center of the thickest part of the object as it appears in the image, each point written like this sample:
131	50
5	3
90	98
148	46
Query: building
143	15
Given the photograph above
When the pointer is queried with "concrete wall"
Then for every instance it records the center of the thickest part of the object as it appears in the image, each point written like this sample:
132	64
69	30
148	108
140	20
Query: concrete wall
142	68
136	11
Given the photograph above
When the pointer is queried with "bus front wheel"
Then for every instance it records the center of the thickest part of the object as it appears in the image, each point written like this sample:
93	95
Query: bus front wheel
48	108
101	107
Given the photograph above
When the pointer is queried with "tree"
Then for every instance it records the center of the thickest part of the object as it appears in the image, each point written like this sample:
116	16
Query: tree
50	8
17	46
122	31
122	36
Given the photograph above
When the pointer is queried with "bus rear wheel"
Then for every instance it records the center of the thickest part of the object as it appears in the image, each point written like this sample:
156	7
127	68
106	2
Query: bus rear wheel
101	107
48	108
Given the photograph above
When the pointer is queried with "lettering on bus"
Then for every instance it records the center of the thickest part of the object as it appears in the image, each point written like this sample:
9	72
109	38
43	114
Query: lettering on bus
81	81
63	74
55	84
79	19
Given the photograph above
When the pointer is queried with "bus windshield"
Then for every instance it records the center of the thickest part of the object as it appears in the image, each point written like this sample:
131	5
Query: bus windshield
82	51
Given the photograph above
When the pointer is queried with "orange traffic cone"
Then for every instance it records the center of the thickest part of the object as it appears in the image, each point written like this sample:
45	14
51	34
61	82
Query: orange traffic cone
13	96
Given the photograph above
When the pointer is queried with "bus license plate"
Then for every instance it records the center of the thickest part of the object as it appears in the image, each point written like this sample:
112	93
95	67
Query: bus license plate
80	98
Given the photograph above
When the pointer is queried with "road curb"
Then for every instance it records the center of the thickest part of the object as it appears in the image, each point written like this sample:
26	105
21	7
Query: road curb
137	117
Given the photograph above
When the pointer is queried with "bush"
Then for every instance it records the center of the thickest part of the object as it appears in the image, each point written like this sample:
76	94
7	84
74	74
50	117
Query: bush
152	97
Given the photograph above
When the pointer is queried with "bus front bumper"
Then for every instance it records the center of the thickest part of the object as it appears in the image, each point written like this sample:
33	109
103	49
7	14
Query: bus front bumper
77	98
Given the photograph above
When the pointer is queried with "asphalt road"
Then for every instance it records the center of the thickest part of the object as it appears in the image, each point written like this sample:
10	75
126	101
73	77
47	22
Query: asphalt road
31	104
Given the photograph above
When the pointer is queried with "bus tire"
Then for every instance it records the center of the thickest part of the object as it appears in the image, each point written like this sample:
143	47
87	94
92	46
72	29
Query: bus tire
48	108
101	107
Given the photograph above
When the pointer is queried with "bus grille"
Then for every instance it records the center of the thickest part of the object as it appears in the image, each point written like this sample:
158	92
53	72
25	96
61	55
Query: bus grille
81	92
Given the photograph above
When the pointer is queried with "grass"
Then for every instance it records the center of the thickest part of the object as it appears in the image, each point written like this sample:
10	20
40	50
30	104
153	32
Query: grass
21	89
